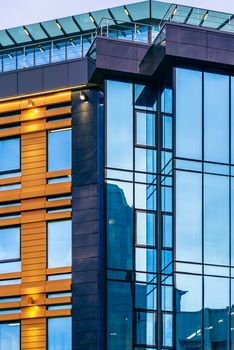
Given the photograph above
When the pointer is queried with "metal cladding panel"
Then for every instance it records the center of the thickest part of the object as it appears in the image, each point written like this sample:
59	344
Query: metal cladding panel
87	222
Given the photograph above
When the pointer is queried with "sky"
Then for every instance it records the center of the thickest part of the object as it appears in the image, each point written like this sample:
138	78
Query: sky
15	13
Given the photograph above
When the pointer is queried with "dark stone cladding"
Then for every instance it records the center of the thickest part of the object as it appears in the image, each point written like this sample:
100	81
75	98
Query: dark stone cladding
87	223
43	78
187	45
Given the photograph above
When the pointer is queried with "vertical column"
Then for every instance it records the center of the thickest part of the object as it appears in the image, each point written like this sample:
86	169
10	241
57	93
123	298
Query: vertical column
33	232
87	222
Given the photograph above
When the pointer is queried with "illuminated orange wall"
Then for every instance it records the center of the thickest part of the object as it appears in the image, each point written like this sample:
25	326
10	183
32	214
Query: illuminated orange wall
34	217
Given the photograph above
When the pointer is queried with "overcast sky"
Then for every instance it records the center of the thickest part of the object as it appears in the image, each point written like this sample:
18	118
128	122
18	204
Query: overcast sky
18	12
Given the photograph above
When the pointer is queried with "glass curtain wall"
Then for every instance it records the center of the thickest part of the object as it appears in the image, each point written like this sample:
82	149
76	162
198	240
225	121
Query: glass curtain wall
139	216
204	248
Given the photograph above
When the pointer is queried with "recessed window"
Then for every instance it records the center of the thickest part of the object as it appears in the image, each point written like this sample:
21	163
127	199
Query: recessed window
59	149
59	242
9	249
10	336
10	155
59	333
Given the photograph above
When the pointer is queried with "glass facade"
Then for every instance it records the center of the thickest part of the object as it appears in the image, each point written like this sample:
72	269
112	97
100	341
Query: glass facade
203	235
59	149
59	333
9	155
10	336
59	240
139	216
10	249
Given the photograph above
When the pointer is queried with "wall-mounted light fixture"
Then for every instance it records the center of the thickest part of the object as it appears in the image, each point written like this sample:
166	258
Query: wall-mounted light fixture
10	55
30	103
83	96
91	18
26	31
31	301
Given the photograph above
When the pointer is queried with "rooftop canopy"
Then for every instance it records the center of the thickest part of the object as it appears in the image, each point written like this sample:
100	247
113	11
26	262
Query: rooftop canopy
150	11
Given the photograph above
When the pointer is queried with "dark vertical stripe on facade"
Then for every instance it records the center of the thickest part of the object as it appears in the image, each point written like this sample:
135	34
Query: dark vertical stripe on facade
87	222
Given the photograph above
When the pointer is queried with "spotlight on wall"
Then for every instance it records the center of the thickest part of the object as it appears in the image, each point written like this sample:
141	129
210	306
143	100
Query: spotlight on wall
83	96
30	103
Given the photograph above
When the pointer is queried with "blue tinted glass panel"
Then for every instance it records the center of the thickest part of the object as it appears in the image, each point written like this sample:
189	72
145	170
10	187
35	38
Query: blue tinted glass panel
232	120
146	131
167	230
60	333
146	296
216	117
10	336
166	101
119	225
9	243
146	228
119	125
119	316
188	113
146	260
59	150
188	216
59	240
146	160
145	97
10	154
58	51
216	305
232	222
167	330
42	55
216	219
167	132
189	309
146	323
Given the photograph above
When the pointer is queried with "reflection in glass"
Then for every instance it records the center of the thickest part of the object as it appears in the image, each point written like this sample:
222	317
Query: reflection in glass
145	196
167	329
146	328
119	316
10	154
167	132
146	228
188	311
59	240
216	219
146	129
188	113
119	225
166	101
188	216
60	333
145	97
119	125
9	243
216	117
146	260
167	298
146	296
216	310
232	222
167	230
59	150
146	160
10	336
58	51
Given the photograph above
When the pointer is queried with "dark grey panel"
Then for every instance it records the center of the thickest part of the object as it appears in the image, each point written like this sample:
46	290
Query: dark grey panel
8	85
30	80
54	76
87	219
78	72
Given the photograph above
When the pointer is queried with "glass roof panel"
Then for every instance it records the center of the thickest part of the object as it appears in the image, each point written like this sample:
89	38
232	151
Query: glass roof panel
214	19
120	14
5	40
159	9
52	28
69	25
139	11
181	13
196	16
19	35
229	27
85	22
99	15
36	31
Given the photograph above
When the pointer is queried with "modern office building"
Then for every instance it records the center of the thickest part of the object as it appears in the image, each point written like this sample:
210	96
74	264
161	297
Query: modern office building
117	181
